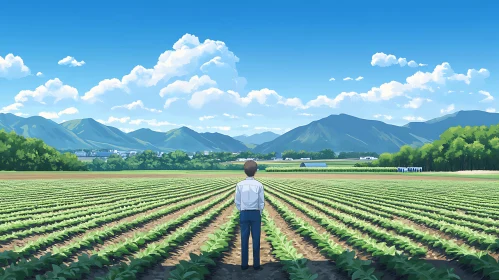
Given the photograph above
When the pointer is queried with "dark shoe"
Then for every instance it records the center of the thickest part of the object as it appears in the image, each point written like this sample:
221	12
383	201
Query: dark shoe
258	268
244	267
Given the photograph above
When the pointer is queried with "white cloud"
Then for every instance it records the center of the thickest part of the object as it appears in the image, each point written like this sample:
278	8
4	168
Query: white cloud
11	107
488	96
187	56
412	118
49	115
136	105
416	102
199	98
19	114
13	67
169	101
422	65
126	130
332	79
383	60
253	115
190	86
448	109
69	111
52	88
245	126
39	74
268	128
71	61
412	63
386	117
230	116
359	78
55	115
261	97
323	100
223	128
152	122
471	75
114	120
305	114
490	110
101	88
347	79
450	91
203	118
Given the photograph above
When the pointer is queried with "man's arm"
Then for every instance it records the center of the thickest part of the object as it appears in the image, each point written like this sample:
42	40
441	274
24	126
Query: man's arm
261	199
237	200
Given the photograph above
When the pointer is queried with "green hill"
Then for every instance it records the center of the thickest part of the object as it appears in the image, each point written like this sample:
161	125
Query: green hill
104	137
347	133
257	139
343	133
49	131
433	128
189	140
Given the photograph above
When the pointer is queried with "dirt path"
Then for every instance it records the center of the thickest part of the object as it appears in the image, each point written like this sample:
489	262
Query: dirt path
192	245
321	229
23	241
143	228
229	267
317	263
101	272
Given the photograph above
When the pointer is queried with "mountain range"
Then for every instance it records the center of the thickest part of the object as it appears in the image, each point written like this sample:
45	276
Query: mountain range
337	132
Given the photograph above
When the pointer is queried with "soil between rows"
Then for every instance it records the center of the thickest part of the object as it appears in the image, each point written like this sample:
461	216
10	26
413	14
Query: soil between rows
126	259
193	245
23	241
144	228
316	263
229	267
434	257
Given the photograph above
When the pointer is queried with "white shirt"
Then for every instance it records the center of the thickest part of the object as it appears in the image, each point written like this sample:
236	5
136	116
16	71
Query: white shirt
249	195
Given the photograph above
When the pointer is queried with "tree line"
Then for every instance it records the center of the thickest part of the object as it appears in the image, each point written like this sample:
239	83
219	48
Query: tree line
459	148
18	153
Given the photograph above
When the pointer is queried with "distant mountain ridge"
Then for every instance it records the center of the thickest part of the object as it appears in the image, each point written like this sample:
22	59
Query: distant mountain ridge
258	138
347	133
337	132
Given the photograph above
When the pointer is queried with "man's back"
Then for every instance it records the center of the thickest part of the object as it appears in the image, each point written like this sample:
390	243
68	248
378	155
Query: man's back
250	202
249	195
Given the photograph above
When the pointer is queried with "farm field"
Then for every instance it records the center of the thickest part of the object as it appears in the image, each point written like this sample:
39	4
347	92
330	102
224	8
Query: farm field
168	228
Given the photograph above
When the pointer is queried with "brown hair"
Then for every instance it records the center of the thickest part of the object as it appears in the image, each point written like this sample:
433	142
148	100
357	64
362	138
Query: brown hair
250	168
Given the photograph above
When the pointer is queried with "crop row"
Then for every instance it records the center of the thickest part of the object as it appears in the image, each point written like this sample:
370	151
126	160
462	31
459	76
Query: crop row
416	206
430	219
394	261
345	260
331	169
293	262
105	206
477	261
7	257
110	252
197	265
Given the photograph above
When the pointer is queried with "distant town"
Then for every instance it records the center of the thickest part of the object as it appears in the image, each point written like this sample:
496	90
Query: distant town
86	155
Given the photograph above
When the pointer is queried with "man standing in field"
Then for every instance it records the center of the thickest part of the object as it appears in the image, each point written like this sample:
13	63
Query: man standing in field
250	201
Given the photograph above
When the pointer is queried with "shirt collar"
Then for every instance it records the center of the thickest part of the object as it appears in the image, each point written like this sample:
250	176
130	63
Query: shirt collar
250	178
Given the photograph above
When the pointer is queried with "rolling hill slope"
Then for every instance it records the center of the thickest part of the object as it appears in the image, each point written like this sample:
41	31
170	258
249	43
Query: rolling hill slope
49	131
258	138
343	133
187	139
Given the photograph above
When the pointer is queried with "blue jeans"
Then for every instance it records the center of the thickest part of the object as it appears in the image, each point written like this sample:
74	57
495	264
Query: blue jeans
250	221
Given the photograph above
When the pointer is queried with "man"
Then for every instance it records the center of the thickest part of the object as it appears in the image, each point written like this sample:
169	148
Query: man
250	201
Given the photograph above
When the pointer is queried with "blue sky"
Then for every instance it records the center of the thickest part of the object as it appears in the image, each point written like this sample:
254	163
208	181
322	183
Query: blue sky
247	68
